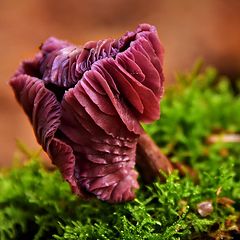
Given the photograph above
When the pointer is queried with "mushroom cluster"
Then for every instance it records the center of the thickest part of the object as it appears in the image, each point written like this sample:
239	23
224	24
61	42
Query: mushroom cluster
86	104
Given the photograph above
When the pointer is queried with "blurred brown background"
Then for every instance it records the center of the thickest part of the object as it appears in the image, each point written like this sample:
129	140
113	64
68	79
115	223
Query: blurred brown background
189	29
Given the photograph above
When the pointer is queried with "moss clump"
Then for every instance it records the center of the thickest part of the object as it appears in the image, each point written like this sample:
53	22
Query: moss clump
37	204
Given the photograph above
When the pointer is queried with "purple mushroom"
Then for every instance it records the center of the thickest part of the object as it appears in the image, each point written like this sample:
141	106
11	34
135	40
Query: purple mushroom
86	104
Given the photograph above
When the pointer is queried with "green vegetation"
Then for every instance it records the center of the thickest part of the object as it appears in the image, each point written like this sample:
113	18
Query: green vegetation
36	204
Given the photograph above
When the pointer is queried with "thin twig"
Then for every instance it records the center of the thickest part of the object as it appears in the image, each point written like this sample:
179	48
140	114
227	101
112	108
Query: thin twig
226	138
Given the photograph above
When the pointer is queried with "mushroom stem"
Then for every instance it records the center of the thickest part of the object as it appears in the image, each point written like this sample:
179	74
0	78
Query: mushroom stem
150	160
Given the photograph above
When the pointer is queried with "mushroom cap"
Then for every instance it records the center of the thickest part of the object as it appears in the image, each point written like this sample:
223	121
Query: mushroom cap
86	104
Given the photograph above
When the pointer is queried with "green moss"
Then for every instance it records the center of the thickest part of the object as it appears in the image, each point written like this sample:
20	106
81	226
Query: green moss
37	204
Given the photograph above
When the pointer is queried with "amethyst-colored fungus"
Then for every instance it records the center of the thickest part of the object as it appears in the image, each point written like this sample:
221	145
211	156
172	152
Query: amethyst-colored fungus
86	104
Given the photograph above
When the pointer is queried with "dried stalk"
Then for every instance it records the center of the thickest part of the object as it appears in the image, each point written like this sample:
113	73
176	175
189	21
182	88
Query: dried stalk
226	138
